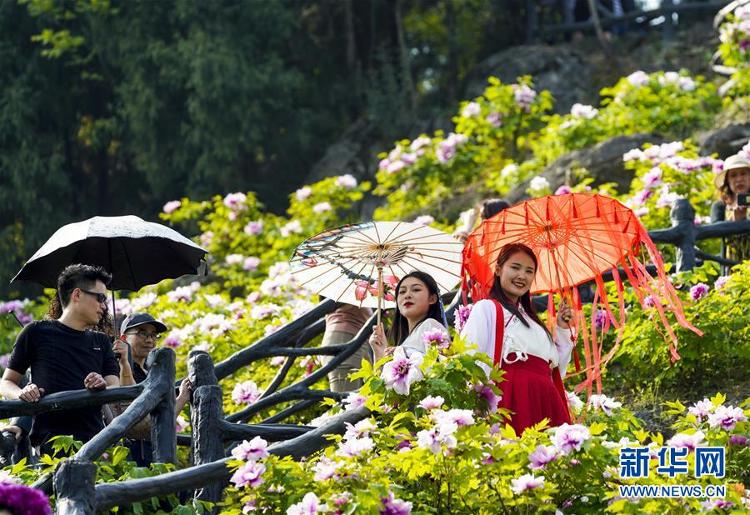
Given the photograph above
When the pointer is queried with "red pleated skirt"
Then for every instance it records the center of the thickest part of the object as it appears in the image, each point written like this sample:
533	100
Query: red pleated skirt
530	394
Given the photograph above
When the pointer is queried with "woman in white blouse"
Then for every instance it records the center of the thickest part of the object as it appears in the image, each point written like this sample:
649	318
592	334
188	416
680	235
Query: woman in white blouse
418	310
507	329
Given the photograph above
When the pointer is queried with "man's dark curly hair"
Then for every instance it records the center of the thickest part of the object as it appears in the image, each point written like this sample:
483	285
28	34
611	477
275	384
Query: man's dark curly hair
79	276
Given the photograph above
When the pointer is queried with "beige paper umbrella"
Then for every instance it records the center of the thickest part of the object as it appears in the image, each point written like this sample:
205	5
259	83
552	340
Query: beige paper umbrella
361	264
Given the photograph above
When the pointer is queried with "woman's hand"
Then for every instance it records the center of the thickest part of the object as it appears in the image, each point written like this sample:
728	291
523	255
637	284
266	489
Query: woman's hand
378	342
564	316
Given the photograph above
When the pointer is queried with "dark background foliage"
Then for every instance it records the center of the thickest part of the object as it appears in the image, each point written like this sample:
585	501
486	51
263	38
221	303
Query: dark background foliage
111	107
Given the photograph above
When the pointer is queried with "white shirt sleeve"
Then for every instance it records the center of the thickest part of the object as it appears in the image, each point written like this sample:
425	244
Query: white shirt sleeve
415	341
564	347
480	329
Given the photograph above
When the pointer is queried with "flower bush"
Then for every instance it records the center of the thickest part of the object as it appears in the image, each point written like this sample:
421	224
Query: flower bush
490	132
440	447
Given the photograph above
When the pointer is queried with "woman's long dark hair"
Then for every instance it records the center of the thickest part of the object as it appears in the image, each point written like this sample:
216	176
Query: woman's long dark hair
400	328
525	301
492	206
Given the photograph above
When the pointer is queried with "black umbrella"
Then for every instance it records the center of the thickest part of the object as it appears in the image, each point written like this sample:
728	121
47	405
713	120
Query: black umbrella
135	252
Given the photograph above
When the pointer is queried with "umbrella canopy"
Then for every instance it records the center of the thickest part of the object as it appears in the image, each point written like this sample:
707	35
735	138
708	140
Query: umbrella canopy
577	238
135	252
345	264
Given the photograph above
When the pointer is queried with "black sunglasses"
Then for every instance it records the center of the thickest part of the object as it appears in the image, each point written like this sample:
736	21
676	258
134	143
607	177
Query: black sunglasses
101	297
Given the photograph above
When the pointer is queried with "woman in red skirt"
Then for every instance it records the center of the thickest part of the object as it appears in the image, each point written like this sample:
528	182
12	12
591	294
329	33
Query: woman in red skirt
506	328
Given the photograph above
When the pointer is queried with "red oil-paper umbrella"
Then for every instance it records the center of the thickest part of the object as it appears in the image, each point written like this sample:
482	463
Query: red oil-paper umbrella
578	238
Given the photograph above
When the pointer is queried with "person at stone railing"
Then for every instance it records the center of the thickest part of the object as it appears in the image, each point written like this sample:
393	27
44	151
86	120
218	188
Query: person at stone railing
20	427
64	355
342	325
482	211
141	332
733	186
418	317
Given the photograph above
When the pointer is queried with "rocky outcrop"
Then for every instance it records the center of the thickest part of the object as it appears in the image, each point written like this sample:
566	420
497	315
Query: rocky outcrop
724	141
563	71
603	162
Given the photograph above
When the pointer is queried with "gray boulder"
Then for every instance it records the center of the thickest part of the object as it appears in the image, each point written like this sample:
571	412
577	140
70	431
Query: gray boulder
561	70
724	141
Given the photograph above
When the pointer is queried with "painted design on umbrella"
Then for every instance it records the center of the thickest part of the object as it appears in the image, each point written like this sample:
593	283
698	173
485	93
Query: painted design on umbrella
577	239
361	264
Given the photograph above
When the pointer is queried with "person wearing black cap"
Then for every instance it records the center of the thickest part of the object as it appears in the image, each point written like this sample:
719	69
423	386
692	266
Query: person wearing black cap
142	332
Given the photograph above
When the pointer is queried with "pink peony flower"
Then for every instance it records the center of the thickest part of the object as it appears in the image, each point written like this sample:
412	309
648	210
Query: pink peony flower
22	499
172	341
236	201
699	291
437	337
649	301
395	166
360	429
303	193
653	178
726	417
638	78
563	190
602	319
471	110
721	281
526	482
393	506
570	437
462	315
604	403
354	447
430	402
251	263
321	207
524	96
171	206
252	450
541	456
346	181
250	474
293	227
583	111
688	441
180	424
326	468
495	119
401	372
354	400
490	397
234	259
246	392
574	401
206	238
254	227
434	439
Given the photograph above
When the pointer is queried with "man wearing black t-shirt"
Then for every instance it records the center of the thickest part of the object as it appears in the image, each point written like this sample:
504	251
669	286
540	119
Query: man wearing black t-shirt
64	355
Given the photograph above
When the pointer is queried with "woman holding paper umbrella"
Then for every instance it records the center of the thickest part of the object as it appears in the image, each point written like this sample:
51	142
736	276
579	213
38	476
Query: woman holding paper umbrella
508	330
418	311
